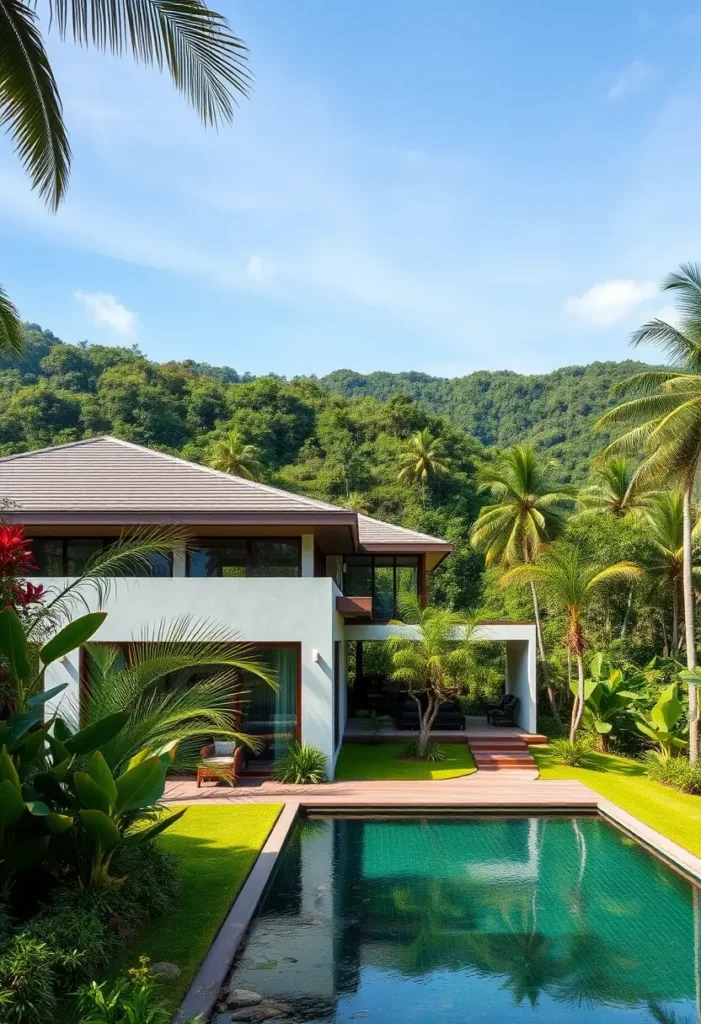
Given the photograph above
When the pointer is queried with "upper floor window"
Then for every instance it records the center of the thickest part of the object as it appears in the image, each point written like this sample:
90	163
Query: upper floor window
70	556
254	556
391	581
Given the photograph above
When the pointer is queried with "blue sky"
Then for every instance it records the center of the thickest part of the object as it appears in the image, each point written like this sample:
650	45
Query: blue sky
444	186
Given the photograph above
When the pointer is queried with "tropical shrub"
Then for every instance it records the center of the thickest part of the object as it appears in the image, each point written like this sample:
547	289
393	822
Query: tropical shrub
77	934
301	763
666	723
572	752
608	696
131	999
411	751
676	772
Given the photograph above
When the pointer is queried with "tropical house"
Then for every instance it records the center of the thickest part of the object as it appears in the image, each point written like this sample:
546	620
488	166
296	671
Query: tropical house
302	579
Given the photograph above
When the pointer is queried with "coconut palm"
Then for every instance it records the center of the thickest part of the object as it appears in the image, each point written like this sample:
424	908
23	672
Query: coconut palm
616	489
181	683
356	502
527	513
232	454
663	418
569	582
664	522
424	459
205	60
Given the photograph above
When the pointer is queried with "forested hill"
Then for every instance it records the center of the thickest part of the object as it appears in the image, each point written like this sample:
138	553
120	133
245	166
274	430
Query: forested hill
554	411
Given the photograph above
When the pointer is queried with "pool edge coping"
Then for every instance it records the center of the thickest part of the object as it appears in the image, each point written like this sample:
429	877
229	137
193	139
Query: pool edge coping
201	996
202	993
674	854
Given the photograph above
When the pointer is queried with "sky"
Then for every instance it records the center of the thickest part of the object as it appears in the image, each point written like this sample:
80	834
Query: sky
434	185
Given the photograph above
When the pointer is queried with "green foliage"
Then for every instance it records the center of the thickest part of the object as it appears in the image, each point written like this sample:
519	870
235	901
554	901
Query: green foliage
574	753
411	750
301	763
372	722
608	696
131	999
676	772
666	723
77	934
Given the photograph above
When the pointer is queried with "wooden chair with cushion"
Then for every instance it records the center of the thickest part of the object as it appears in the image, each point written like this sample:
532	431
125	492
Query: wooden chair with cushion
221	762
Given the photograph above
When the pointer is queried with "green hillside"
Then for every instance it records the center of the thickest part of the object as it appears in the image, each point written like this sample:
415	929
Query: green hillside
554	411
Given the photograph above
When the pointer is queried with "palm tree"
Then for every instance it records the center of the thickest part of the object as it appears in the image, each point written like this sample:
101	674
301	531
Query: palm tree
356	502
569	582
527	513
205	60
664	421
424	459
664	519
152	682
232	454
430	660
616	489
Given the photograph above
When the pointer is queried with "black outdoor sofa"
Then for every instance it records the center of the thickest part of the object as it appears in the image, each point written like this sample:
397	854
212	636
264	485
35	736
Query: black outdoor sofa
448	716
503	713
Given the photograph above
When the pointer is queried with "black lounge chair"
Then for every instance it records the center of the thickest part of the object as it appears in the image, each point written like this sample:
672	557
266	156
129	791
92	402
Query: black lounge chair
503	713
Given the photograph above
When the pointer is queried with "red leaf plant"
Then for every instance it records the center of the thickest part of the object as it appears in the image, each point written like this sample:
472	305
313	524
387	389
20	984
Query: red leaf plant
16	562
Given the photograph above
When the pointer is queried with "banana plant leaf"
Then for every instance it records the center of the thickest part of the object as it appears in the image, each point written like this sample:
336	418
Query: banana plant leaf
72	636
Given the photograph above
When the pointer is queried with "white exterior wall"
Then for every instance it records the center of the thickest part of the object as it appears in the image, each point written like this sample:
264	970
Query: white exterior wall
270	610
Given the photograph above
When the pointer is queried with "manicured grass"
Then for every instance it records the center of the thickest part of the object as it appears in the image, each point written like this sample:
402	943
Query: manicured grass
216	847
379	761
623	782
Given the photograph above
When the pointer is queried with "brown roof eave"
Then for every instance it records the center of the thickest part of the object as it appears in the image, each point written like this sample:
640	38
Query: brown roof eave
189	518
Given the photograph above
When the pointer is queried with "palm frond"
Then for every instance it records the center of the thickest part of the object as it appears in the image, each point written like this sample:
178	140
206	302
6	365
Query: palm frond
206	61
30	106
12	342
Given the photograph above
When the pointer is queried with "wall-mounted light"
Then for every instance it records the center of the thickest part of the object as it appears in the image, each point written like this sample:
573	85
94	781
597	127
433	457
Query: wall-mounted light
316	656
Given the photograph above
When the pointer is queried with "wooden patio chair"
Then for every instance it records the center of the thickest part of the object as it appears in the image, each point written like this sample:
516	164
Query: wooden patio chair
220	767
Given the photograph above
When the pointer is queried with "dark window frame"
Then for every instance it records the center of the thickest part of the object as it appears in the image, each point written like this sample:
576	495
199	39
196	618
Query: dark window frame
373	558
104	542
213	542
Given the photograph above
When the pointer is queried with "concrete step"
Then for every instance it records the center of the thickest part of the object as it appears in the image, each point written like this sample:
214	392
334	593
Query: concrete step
495	745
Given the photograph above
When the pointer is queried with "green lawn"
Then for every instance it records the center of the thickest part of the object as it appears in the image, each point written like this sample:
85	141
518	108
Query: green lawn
216	848
379	761
622	781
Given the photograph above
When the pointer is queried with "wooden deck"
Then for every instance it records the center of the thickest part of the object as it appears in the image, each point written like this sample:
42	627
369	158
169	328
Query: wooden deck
507	791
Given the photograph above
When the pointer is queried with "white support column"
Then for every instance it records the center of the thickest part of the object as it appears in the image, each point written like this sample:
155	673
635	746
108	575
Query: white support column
179	561
307	554
521	680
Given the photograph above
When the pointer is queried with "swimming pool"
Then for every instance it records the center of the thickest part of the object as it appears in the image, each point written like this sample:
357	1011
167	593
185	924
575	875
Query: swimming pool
476	919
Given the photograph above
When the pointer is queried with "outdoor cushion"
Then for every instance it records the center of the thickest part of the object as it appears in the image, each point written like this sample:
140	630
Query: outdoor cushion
224	749
221	761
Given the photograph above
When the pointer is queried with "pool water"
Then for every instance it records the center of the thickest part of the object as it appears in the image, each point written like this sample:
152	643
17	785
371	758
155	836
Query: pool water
489	920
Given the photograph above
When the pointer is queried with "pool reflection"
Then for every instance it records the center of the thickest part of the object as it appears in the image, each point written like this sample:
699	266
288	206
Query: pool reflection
491	920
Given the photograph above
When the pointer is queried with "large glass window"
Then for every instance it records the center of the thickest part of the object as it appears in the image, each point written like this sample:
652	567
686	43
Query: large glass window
70	556
391	581
256	556
271	714
225	558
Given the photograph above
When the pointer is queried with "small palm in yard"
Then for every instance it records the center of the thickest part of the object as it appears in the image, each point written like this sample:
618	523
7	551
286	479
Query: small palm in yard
430	660
569	582
526	513
301	764
232	454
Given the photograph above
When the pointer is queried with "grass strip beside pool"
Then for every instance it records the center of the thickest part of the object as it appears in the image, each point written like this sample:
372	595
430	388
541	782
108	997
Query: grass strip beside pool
215	847
623	781
379	762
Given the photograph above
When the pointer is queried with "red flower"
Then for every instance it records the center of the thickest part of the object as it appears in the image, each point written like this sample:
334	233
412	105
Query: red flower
15	553
29	594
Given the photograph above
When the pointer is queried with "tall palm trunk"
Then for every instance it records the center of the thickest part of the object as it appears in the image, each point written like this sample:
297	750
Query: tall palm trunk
626	617
541	654
675	617
578	706
689	629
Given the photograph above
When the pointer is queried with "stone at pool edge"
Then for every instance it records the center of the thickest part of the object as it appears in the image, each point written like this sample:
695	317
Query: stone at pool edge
238	998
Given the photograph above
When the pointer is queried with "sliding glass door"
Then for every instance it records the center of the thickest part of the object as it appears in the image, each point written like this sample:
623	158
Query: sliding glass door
271	715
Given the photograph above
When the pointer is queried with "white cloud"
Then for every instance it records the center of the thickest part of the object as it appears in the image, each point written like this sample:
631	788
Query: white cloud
670	315
104	311
257	269
607	303
631	79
